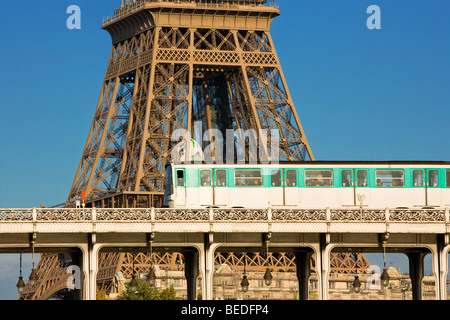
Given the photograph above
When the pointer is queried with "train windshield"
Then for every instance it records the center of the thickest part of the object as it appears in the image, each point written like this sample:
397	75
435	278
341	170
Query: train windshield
168	186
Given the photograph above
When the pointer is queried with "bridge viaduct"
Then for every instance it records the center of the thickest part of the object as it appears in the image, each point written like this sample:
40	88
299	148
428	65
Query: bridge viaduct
199	233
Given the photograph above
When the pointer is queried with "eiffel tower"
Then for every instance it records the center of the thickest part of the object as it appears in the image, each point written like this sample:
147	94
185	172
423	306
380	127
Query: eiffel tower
192	65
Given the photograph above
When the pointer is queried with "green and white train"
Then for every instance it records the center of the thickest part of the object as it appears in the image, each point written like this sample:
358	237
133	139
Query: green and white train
316	184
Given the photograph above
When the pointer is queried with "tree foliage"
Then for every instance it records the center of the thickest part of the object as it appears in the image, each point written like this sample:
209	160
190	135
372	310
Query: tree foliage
145	292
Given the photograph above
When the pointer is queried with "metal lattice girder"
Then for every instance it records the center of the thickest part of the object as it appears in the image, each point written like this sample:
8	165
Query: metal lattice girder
170	68
53	274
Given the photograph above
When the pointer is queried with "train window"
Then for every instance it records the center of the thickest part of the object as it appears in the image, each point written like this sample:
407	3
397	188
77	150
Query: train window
291	178
276	178
221	178
319	178
418	178
346	176
205	178
390	178
361	178
447	173
433	178
180	178
248	178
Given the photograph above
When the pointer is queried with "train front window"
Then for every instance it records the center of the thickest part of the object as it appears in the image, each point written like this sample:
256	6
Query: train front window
447	173
418	178
276	178
205	178
291	178
248	178
319	178
390	178
433	178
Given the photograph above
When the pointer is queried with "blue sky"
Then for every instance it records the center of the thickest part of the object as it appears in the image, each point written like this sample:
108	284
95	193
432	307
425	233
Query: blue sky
360	94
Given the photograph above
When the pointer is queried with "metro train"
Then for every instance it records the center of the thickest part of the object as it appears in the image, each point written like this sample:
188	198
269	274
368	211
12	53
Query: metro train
315	184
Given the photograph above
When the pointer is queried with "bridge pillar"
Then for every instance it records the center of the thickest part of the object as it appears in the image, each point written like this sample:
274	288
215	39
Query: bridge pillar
208	268
416	273
324	253
92	258
191	262
303	259
442	261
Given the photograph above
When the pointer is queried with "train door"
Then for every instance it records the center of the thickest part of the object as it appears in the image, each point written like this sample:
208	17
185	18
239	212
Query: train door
220	187
434	192
291	197
362	191
180	185
419	188
276	193
347	187
205	188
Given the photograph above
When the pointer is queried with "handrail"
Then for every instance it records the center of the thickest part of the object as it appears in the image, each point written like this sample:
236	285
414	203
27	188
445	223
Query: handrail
137	5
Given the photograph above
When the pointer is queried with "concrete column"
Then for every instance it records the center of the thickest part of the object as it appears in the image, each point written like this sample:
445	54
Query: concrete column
442	260
191	262
85	273
303	260
208	268
416	273
324	266
93	268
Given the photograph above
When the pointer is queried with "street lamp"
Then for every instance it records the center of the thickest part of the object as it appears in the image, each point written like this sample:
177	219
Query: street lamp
20	284
384	276
268	275
151	277
133	282
245	283
33	276
356	283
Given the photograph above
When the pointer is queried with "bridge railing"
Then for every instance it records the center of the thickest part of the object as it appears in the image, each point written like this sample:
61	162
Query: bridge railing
140	4
225	214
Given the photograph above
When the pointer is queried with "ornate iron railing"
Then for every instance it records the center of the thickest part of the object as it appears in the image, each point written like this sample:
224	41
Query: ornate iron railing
225	214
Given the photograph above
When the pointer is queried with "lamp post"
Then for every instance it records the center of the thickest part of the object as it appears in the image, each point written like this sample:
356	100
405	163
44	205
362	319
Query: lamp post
33	276
356	283
151	277
268	275
245	283
384	276
133	282
20	284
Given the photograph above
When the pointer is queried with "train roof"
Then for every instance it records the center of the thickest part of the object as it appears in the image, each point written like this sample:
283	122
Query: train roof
333	162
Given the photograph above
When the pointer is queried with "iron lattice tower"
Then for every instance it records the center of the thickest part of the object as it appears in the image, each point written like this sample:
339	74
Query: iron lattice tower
175	64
